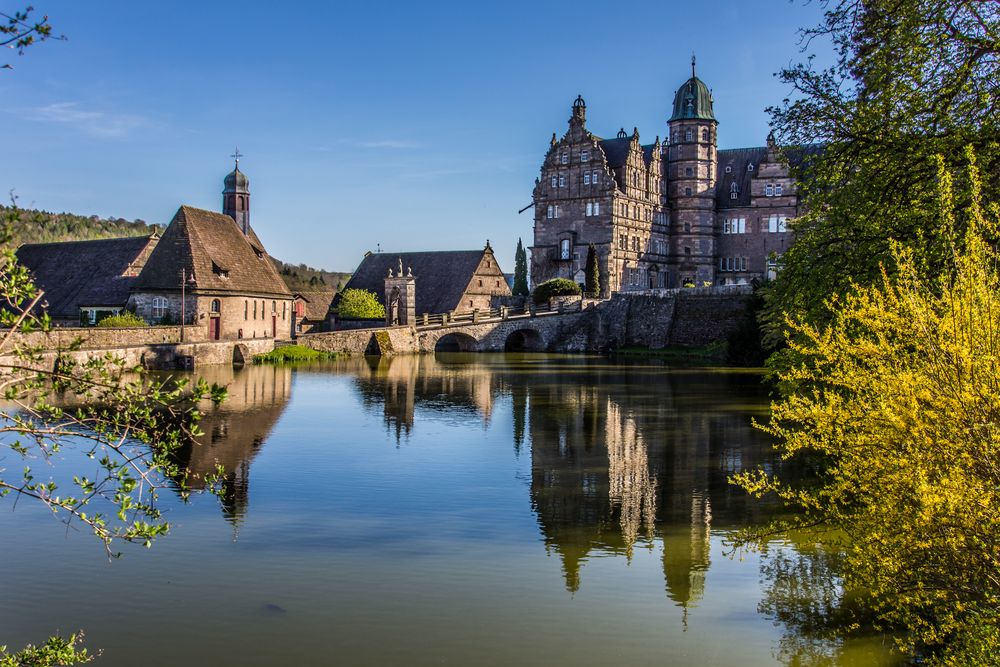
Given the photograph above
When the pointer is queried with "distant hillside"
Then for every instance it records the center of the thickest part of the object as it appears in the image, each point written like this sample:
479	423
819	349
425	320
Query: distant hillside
302	278
45	227
34	226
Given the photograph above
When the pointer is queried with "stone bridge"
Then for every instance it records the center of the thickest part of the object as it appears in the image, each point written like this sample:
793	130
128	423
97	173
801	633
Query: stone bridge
654	320
521	333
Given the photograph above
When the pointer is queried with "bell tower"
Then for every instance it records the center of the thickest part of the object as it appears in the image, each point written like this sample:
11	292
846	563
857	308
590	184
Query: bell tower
691	166
236	195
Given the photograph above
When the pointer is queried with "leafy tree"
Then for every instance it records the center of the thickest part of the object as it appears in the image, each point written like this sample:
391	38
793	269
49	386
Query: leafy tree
555	287
912	79
520	271
18	31
593	272
359	304
894	404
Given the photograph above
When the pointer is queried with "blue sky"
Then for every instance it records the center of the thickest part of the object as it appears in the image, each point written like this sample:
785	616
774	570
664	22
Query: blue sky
409	126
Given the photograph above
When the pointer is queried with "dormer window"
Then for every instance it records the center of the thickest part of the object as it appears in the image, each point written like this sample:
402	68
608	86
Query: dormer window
219	271
750	167
734	191
729	169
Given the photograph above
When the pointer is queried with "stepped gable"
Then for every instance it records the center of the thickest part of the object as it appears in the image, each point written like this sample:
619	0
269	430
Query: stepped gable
86	273
441	276
213	249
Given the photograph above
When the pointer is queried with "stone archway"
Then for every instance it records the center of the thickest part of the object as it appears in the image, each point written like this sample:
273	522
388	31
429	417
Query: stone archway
241	354
524	340
456	342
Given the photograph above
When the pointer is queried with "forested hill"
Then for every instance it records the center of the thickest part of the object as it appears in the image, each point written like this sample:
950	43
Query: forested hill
44	227
32	226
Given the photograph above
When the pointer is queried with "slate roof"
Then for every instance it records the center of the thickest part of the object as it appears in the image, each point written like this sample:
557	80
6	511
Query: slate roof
85	273
441	276
317	303
616	150
737	159
211	247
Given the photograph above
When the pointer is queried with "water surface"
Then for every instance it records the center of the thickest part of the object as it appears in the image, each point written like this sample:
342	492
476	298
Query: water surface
449	509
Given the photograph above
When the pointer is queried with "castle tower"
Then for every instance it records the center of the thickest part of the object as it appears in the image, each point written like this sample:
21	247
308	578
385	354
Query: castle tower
691	166
236	196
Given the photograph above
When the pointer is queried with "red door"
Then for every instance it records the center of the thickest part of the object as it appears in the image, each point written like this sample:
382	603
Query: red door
274	326
214	328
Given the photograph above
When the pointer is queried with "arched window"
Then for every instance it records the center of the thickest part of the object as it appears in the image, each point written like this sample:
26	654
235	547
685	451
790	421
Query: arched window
704	134
687	192
274	306
216	306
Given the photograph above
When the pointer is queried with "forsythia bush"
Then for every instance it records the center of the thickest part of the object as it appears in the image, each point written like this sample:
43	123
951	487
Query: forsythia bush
896	404
360	304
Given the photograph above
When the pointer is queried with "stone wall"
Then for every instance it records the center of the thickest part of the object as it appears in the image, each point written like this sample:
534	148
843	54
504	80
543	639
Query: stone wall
108	337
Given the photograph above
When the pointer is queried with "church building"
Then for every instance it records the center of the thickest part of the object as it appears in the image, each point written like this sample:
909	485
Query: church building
673	213
212	271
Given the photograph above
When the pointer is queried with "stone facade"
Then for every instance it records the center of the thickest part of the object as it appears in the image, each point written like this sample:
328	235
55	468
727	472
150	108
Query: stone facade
661	215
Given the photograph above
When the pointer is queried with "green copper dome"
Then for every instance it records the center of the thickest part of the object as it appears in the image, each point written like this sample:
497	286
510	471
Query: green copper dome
693	101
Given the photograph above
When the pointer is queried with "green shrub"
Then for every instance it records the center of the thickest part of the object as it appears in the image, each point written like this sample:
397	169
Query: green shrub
555	287
359	304
123	319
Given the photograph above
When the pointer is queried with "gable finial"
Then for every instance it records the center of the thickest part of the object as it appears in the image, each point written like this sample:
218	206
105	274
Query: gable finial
692	64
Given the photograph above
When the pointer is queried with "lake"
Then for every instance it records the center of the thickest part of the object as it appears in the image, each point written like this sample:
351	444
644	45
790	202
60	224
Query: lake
449	509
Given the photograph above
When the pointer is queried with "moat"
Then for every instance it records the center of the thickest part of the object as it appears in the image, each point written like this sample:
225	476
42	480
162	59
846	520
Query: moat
450	509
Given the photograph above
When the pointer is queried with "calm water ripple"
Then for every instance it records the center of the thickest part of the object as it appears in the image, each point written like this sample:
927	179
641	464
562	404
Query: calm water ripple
449	509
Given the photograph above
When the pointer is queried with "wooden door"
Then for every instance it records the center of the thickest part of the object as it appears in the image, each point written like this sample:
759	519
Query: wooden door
215	328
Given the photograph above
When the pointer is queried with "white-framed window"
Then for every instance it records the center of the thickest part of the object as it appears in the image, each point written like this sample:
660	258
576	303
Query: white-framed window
555	181
735	226
549	213
590	209
586	178
704	134
159	307
584	156
597	177
777	190
776	223
562	180
564	249
769	190
565	158
750	166
597	208
743	263
557	211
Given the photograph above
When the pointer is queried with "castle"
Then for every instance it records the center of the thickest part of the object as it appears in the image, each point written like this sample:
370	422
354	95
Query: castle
671	214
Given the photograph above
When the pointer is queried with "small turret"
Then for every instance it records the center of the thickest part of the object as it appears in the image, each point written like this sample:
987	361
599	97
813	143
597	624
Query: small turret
236	195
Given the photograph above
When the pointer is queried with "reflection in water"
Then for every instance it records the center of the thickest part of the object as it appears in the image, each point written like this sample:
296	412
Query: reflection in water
623	458
235	430
617	461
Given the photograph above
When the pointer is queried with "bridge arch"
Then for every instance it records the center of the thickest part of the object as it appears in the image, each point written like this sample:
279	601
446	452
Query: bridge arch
456	341
524	340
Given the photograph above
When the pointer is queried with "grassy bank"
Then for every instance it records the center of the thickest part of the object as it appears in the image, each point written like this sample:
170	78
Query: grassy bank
292	354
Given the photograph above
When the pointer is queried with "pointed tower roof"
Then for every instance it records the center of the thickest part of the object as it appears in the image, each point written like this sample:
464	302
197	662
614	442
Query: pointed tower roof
693	100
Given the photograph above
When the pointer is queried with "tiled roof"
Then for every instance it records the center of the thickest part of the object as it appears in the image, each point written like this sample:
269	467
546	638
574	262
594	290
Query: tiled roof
210	247
85	273
441	276
317	303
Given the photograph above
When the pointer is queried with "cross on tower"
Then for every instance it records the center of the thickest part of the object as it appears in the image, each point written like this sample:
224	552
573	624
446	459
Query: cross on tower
237	155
